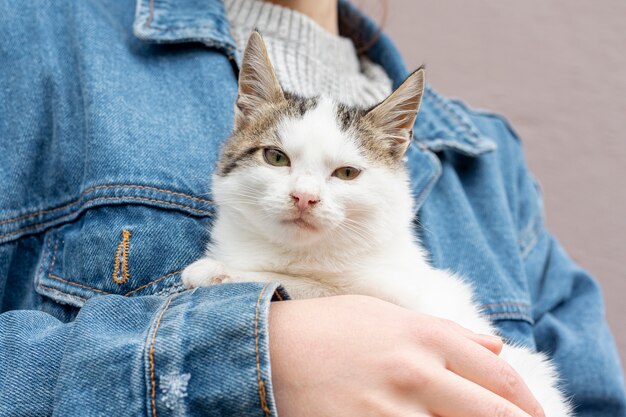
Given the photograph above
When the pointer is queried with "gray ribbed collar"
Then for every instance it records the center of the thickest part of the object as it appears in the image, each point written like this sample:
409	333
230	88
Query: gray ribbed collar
296	29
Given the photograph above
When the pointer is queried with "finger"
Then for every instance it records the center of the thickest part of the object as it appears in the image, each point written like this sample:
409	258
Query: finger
491	372
493	343
454	396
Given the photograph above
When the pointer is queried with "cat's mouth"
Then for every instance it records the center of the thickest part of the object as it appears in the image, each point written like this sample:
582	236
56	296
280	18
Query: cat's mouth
301	223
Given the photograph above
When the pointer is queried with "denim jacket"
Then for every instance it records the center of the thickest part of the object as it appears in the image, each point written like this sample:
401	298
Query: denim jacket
111	118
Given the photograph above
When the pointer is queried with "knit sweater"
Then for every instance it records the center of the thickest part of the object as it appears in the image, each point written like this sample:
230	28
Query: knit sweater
308	60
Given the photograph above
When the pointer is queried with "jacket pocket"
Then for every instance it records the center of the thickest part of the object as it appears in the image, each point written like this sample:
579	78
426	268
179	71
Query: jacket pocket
128	250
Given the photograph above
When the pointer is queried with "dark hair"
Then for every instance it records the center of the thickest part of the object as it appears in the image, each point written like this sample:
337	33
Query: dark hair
351	23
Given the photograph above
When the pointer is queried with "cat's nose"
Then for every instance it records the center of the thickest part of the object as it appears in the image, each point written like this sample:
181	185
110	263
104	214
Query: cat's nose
304	201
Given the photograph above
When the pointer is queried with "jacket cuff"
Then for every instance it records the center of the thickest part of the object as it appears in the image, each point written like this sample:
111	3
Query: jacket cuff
207	353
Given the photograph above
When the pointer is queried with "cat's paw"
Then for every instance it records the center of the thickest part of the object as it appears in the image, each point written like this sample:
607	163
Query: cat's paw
204	273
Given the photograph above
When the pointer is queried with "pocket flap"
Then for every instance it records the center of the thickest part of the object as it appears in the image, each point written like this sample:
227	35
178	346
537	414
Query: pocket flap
128	250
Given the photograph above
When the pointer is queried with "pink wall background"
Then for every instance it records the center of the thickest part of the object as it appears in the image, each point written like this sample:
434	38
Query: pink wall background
557	70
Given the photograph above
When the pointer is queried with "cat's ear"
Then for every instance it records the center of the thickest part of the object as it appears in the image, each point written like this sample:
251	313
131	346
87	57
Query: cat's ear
395	116
258	84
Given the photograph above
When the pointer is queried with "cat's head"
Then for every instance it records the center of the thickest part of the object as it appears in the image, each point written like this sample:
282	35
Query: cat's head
299	170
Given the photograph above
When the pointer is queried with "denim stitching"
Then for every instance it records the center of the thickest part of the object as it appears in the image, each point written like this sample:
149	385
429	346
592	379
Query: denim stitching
439	103
145	187
512	316
56	247
264	406
121	257
149	20
152	282
128	294
430	184
177	28
171	290
98	187
61	292
151	355
77	284
120	198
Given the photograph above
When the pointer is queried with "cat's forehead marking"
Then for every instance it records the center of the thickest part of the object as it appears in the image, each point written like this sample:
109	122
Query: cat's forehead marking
299	106
323	132
369	139
316	140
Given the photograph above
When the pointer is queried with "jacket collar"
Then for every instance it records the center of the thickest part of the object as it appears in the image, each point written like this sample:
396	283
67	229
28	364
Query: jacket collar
441	125
167	21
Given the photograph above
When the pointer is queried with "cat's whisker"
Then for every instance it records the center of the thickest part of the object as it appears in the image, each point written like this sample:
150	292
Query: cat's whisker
350	228
421	226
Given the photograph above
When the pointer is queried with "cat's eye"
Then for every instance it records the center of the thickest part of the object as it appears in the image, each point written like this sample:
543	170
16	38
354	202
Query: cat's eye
275	157
346	173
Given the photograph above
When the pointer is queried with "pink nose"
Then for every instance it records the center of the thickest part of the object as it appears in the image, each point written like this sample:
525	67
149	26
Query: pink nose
304	200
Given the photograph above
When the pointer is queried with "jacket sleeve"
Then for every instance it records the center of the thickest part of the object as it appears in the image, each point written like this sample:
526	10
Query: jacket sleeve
202	352
571	328
568	310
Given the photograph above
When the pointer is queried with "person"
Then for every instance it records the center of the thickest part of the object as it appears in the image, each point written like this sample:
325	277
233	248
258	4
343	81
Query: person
111	117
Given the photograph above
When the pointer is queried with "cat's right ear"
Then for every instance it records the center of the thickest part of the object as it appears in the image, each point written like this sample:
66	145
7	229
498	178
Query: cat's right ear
395	116
258	84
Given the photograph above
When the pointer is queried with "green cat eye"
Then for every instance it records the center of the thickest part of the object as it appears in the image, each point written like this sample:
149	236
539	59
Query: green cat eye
275	157
346	173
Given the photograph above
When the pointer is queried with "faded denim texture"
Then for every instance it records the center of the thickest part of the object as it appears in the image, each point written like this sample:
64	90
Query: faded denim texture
111	117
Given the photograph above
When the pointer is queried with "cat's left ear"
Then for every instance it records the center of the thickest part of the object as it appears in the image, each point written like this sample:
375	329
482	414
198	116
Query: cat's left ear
395	116
258	84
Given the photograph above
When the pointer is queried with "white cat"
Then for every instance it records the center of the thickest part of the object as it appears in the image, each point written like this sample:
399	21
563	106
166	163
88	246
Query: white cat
315	195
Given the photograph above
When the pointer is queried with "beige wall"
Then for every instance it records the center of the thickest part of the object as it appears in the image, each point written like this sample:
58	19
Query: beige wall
557	70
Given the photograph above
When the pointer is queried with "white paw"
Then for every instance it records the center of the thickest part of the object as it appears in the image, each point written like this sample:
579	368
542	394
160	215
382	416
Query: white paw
203	273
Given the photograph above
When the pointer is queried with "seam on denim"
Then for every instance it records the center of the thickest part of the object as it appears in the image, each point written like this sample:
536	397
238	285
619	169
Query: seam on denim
120	198
61	292
151	356
446	108
121	257
146	187
175	28
54	258
128	294
151	16
437	174
77	284
174	289
511	316
152	282
264	406
99	187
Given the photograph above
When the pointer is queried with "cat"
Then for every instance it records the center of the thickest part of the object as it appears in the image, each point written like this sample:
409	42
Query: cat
315	195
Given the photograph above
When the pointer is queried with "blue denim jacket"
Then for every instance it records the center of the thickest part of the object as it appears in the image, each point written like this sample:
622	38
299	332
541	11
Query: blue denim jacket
111	117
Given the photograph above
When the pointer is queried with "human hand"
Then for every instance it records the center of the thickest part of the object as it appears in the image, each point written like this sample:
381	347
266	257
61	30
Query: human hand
351	356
